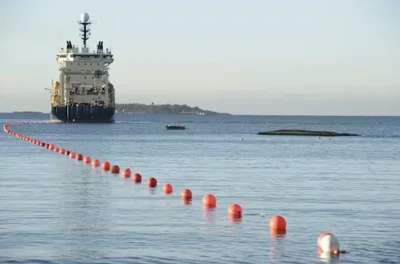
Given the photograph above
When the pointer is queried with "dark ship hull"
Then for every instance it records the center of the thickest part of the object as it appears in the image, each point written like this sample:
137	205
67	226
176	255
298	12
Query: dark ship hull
83	113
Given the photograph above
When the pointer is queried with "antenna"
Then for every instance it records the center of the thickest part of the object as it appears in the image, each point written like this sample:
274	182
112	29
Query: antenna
85	23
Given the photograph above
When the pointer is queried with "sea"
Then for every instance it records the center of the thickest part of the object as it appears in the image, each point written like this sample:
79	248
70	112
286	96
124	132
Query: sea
56	210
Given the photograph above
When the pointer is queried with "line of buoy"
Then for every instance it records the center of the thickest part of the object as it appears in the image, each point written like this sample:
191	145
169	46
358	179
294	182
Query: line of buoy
327	243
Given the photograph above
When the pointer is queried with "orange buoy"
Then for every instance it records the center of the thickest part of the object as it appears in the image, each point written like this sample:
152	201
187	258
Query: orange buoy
79	157
137	178
106	166
72	155
277	222
276	233
51	146
87	160
235	211
152	182
56	149
126	173
167	188
61	151
209	201
95	163
115	169
186	194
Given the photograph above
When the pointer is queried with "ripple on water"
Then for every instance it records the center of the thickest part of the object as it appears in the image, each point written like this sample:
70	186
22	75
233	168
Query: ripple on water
55	210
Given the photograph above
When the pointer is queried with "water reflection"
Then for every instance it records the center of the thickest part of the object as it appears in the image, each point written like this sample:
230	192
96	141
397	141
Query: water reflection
327	257
234	220
209	215
165	203
277	233
83	207
277	237
186	201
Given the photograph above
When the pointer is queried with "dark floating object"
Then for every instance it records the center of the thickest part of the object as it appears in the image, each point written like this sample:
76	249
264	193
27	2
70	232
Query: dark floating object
299	132
175	127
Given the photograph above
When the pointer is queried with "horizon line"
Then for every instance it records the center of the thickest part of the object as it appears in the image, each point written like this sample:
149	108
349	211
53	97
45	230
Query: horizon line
267	115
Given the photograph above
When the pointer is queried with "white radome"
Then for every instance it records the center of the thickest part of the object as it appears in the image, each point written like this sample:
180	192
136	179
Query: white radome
329	243
85	17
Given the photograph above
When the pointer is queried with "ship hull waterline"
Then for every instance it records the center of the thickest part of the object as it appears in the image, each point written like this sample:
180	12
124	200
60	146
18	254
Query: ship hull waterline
82	114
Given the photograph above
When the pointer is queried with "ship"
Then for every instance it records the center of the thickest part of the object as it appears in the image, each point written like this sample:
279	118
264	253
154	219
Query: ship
83	92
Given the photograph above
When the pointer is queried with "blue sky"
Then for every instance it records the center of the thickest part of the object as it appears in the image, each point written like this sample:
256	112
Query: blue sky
308	57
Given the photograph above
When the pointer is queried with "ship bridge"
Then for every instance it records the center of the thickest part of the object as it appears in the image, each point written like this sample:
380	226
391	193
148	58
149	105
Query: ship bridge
84	77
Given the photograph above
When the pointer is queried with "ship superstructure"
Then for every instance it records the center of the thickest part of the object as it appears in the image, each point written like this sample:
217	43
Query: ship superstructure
83	92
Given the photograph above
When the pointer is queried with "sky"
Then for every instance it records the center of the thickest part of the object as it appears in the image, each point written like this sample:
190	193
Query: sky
309	57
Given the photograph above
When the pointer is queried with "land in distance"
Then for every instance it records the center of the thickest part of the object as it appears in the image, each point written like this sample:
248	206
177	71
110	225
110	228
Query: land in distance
28	112
136	108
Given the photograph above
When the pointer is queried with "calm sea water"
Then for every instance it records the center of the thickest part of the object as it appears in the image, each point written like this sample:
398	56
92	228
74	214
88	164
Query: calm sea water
56	210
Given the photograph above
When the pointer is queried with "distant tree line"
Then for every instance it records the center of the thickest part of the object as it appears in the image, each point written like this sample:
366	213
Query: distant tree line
135	108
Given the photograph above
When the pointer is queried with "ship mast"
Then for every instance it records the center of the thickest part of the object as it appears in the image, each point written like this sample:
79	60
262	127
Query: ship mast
85	23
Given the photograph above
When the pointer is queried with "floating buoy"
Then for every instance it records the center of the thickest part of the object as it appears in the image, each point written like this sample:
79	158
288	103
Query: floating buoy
137	178
235	211
72	155
152	182
79	157
86	160
106	166
186	194
209	201
167	188
321	236
95	163
126	173
115	169
278	223
328	243
276	233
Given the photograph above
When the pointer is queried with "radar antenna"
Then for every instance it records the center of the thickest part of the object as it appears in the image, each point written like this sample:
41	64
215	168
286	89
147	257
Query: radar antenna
85	23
